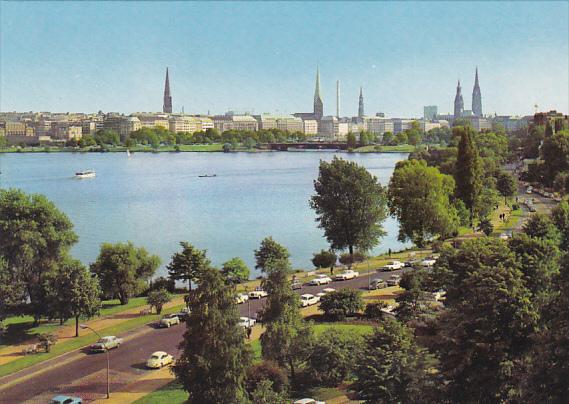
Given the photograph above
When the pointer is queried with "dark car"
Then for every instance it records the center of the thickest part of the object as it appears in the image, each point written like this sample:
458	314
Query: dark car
296	285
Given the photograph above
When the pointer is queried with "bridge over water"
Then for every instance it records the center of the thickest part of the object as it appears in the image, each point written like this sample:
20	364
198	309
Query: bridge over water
309	146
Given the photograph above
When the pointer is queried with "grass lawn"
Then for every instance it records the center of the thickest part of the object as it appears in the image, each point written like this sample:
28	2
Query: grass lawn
403	148
172	393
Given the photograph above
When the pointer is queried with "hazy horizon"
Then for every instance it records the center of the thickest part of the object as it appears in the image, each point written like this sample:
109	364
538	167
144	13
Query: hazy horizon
262	57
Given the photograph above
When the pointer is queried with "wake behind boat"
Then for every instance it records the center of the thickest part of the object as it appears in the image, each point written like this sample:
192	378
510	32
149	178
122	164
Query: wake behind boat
207	175
86	174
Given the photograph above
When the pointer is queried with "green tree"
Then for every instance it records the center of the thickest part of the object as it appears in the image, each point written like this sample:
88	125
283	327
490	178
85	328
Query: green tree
268	251
489	318
215	356
266	370
334	357
249	143
351	141
3	142
560	217
507	185
420	198
387	138
235	271
412	302
342	303
124	270
188	265
12	293
540	225
158	298
468	171
34	237
72	292
392	368
350	205
264	394
287	339
324	259
555	154
486	227
107	137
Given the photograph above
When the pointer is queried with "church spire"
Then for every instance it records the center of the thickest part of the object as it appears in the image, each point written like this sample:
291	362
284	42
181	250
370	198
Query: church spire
476	96
167	107
361	104
318	104
458	102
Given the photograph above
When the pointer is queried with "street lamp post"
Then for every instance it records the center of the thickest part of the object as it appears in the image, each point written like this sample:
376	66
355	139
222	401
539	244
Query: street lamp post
85	326
368	276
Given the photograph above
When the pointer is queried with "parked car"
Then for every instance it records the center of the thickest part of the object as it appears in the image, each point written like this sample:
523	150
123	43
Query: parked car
412	263
66	400
183	314
295	285
258	294
308	300
169	320
394	280
428	262
241	298
320	280
106	343
308	401
159	359
346	275
377	284
328	290
393	266
247	322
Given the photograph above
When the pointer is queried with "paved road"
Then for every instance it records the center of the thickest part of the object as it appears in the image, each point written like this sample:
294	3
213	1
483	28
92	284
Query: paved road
82	374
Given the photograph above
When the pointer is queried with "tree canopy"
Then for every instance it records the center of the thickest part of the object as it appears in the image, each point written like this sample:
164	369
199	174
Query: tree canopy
189	264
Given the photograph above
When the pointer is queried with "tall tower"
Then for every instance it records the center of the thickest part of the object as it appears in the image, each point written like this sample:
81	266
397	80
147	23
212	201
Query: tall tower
318	104
167	107
361	105
338	99
476	97
458	102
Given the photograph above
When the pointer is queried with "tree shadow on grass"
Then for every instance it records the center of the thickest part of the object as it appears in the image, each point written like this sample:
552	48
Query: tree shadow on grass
20	333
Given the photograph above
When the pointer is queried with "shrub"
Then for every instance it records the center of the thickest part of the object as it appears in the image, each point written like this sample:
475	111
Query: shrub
373	310
342	303
157	299
346	259
515	206
324	259
437	246
266	370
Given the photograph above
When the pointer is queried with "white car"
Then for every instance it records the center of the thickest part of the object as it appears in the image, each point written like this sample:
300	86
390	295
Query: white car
258	294
324	292
247	322
428	262
159	359
394	280
241	298
346	275
308	401
320	280
393	266
106	343
308	300
169	320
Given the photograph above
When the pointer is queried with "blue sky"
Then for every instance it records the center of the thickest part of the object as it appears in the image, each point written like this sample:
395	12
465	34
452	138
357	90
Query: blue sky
261	57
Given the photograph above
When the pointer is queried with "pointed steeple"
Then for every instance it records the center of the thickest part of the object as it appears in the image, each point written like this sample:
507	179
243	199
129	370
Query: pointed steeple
458	102
318	104
476	96
361	104
167	107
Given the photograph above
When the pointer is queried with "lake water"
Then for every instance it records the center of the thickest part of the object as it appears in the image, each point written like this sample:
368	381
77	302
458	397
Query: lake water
158	200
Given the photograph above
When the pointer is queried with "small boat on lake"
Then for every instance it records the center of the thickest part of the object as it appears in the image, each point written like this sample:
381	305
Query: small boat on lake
207	175
86	174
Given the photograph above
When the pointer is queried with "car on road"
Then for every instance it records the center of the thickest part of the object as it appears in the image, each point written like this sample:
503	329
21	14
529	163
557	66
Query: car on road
159	359
308	300
308	401
169	320
324	292
66	400
258	294
296	285
428	262
394	280
377	284
346	275
320	280
247	322
241	298
412	263
106	343
393	266
183	314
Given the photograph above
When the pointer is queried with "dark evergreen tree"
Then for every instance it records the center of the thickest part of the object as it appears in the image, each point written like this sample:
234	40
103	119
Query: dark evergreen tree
468	171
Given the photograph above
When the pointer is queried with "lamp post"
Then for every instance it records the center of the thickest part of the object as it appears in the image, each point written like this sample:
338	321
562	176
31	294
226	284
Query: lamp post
85	326
368	277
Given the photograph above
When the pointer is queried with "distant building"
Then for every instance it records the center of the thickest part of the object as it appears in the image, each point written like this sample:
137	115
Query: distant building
65	131
378	125
511	123
318	106
167	106
401	125
479	123
328	127
458	103
235	122
310	127
182	124
121	124
290	124
361	104
430	112
88	128
476	97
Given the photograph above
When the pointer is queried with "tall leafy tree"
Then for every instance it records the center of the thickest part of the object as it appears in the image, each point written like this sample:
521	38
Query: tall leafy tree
287	338
555	154
34	237
540	225
235	271
392	368
268	251
489	318
506	184
420	197
123	269
189	264
73	292
350	205
468	171
560	217
215	357
324	259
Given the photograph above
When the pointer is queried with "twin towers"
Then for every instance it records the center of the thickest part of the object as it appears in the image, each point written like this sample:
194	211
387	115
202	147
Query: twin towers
476	99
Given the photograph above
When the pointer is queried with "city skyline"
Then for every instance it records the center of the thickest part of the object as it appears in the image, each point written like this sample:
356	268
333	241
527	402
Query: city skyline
228	65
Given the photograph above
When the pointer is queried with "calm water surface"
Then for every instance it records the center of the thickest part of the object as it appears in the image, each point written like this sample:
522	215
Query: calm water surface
157	200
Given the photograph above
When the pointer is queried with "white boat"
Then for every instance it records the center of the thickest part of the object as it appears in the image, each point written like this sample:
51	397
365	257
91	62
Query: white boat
127	152
86	174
